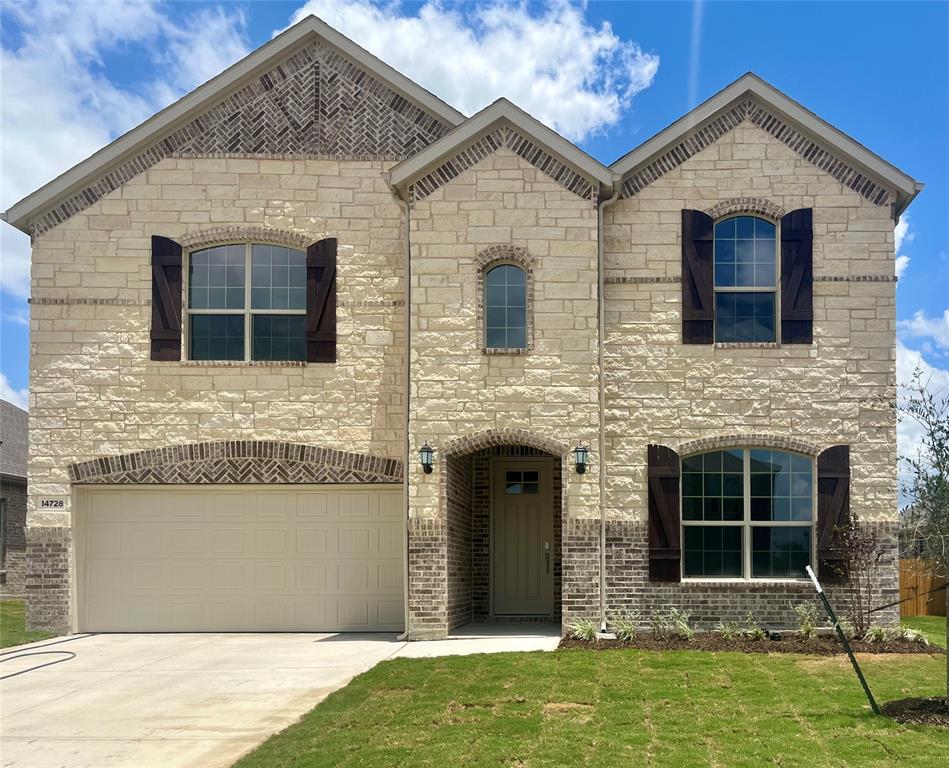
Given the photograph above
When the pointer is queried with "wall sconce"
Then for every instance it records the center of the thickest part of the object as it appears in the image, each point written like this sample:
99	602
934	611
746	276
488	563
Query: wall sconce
425	456
580	454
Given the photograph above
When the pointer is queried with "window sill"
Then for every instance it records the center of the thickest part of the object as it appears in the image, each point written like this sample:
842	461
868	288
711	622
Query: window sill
505	350
747	345
244	363
694	582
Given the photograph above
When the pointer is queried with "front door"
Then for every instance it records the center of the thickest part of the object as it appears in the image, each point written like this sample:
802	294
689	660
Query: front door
522	538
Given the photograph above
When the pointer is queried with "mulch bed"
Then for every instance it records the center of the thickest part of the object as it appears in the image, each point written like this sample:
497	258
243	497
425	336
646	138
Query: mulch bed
933	711
820	646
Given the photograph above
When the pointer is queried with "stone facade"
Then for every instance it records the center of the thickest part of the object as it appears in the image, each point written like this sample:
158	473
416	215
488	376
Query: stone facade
302	151
695	398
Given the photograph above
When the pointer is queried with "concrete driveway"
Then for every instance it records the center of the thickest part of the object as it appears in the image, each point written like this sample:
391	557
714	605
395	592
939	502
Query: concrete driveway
170	701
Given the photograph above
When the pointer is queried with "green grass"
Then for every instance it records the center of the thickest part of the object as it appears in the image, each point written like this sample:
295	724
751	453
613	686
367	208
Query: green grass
933	627
13	625
616	708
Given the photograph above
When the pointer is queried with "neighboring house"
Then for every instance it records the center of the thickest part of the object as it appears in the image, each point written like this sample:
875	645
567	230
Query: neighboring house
13	454
235	365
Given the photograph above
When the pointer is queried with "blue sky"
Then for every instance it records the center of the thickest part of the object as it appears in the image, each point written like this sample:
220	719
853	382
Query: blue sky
607	74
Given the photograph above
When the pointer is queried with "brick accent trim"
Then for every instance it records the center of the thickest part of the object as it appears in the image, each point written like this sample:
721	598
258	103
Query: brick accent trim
753	440
313	102
757	206
490	438
503	138
492	257
238	461
759	116
218	235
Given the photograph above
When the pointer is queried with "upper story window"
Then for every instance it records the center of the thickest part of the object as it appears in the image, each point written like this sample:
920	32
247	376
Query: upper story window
745	280
747	513
247	302
505	307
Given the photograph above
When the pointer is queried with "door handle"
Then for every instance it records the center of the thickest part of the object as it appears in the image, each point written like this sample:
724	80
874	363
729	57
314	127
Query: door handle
547	556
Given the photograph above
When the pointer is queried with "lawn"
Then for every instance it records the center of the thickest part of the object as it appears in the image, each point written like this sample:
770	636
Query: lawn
13	625
933	627
613	708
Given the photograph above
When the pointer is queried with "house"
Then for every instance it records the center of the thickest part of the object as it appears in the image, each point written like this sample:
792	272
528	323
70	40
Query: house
13	451
312	350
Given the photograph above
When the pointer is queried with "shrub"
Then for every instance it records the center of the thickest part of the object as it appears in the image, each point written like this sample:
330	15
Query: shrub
877	635
729	630
583	629
751	630
625	625
807	621
847	627
673	623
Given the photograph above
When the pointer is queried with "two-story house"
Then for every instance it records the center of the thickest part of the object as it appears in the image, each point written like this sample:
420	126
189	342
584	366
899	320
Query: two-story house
312	350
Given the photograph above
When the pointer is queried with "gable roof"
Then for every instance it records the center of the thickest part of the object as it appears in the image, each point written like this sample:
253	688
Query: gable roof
13	440
525	135
153	131
751	97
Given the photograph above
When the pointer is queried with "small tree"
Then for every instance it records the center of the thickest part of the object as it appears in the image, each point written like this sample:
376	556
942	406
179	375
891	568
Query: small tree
926	518
862	557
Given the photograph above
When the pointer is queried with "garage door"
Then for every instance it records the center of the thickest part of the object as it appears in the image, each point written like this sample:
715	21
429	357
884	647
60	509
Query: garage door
240	558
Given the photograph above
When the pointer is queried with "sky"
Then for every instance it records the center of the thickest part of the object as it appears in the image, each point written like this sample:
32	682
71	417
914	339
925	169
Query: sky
608	75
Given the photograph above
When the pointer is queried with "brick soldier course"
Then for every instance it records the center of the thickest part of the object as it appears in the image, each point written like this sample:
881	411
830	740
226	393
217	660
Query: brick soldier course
310	140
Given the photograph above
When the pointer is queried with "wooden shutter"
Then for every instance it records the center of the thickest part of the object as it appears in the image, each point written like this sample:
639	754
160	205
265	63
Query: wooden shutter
797	277
166	299
698	287
321	301
665	552
833	508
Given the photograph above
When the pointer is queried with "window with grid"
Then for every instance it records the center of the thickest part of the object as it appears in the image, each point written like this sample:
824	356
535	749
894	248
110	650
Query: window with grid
747	513
505	307
247	302
745	280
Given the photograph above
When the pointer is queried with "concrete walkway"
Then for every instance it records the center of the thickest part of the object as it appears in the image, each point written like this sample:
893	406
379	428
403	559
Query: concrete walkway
191	700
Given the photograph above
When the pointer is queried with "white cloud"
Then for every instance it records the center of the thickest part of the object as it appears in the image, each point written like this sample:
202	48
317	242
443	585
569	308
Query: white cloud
922	326
909	434
571	75
16	396
58	105
902	234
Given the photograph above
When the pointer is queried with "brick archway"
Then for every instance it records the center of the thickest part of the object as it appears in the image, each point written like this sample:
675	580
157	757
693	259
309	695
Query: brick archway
748	440
242	234
757	206
238	461
490	438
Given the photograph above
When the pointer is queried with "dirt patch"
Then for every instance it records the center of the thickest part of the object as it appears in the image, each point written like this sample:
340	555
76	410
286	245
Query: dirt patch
820	646
577	712
934	711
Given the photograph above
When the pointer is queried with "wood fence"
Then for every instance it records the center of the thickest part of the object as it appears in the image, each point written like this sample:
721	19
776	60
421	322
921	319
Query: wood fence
915	583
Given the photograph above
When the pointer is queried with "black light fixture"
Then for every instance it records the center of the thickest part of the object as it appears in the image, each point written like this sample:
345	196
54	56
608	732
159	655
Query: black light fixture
425	455
580	454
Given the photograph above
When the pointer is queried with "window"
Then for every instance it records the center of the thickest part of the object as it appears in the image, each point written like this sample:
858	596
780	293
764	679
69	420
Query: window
747	513
247	302
745	280
517	482
505	307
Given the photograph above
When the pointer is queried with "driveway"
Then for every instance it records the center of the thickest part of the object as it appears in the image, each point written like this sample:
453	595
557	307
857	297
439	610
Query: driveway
170	701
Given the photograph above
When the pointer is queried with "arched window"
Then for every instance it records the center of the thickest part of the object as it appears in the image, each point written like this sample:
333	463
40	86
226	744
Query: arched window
745	279
246	302
747	513
505	307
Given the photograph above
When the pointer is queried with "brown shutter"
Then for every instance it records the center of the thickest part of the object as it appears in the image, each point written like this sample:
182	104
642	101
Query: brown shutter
321	301
833	508
665	552
698	287
166	299
797	277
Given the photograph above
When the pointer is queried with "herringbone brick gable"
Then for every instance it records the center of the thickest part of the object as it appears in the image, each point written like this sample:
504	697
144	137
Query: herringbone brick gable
315	102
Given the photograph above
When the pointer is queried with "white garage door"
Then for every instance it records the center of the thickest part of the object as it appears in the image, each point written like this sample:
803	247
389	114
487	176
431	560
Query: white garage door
240	558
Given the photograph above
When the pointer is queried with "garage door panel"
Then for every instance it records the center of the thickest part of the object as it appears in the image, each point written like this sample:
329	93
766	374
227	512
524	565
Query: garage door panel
219	558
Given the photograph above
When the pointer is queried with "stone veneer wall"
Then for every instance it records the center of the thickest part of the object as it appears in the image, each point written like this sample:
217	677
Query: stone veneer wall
457	390
95	393
14	553
658	390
